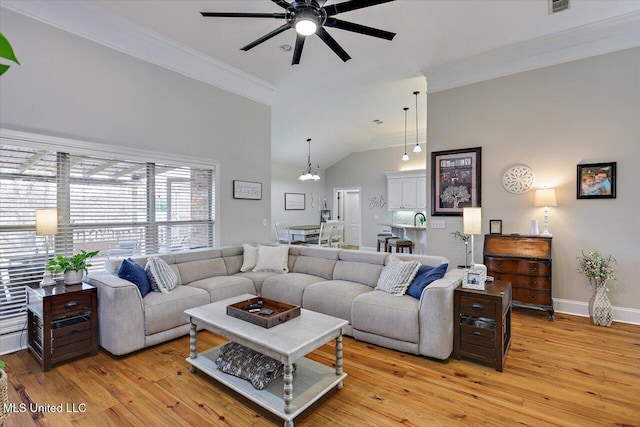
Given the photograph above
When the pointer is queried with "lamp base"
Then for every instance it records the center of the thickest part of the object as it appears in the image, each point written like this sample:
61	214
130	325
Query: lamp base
47	280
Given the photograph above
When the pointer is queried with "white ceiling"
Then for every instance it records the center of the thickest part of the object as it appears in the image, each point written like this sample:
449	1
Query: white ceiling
451	42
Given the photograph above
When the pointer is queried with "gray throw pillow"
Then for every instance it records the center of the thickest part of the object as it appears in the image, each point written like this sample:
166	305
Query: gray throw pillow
397	275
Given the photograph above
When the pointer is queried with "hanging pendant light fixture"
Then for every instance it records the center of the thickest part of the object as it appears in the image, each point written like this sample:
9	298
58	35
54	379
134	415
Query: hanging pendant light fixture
417	148
405	157
309	174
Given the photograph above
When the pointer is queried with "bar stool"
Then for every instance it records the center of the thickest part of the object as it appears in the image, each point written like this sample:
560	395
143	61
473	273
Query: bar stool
383	238
400	245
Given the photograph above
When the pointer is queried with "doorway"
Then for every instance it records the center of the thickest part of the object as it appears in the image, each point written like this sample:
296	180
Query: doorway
346	206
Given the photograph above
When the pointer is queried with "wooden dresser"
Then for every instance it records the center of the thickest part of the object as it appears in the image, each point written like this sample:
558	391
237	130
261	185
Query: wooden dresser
525	261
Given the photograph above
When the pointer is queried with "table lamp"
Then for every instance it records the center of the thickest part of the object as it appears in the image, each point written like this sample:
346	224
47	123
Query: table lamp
546	197
472	224
47	225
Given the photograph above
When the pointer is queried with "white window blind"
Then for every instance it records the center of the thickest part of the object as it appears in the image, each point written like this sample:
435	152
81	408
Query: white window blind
120	207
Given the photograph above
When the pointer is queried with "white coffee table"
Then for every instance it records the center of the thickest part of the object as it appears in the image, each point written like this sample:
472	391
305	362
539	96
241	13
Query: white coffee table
288	342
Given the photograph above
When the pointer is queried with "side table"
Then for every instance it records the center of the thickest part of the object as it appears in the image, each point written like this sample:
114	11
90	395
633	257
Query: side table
482	323
62	322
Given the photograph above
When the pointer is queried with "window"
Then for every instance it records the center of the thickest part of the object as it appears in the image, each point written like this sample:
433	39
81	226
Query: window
121	207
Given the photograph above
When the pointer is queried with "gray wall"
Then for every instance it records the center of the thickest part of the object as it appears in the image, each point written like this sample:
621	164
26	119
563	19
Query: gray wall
552	119
70	87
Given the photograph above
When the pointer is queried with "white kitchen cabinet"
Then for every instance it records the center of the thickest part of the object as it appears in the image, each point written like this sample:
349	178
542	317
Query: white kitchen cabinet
407	190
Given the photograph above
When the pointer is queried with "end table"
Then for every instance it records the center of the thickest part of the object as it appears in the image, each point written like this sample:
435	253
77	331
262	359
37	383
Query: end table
482	323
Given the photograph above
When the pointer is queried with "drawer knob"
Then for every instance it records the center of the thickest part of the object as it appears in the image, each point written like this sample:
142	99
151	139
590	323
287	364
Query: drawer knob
477	306
71	304
533	268
533	282
476	333
499	264
532	297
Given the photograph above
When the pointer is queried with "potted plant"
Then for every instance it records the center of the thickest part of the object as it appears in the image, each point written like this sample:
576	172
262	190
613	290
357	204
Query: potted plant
598	270
464	238
73	266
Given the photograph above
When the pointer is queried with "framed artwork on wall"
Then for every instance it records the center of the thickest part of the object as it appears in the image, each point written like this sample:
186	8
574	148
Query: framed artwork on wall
455	180
495	226
294	201
247	190
596	181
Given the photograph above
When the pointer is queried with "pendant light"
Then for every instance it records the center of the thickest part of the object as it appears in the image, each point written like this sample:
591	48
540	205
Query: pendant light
309	174
405	157
417	148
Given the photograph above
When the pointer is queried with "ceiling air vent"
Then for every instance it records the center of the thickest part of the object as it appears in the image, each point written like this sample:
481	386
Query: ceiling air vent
558	5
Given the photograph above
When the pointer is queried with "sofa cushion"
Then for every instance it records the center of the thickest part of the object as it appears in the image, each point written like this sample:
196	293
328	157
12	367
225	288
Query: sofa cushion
133	272
360	272
196	270
249	257
313	266
161	276
333	297
273	258
166	311
288	288
223	287
387	315
257	277
426	275
397	275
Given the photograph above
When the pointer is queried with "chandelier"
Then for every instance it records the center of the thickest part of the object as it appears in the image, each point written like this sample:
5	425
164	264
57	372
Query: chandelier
309	173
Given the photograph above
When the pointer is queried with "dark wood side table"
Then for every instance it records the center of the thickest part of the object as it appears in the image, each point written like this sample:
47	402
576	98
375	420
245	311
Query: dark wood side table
482	323
62	322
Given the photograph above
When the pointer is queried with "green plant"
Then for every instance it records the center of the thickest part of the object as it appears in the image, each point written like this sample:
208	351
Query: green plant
596	268
464	238
77	262
6	52
1	365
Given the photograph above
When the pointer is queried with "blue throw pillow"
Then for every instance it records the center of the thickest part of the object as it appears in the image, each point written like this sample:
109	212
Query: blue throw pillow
134	272
425	276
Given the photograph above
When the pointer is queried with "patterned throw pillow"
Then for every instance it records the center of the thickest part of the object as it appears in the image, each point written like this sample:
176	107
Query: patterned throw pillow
397	275
161	276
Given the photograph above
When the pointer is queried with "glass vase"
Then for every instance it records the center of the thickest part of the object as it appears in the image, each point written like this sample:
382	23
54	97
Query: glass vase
600	306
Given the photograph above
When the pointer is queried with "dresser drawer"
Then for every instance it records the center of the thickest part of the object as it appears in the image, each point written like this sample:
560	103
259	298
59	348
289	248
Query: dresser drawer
477	307
528	282
531	296
70	304
528	267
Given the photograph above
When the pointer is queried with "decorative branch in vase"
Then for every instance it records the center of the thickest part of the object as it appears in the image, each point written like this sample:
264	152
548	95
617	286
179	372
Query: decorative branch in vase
598	270
464	238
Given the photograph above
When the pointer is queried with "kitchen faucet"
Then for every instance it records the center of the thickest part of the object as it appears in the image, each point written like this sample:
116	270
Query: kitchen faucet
416	217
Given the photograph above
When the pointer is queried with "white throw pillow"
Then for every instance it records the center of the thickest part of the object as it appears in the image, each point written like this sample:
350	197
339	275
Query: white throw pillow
161	276
397	275
249	257
273	258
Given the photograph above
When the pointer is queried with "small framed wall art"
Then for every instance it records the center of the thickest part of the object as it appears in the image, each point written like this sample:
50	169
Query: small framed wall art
294	201
495	226
596	181
247	190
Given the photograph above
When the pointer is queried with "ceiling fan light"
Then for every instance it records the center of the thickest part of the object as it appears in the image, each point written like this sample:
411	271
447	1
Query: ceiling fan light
306	27
417	148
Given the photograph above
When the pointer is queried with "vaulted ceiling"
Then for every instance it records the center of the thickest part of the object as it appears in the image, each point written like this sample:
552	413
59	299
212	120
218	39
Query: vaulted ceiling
447	43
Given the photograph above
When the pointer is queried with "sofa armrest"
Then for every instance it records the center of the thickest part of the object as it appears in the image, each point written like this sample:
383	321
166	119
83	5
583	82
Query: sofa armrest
120	313
436	316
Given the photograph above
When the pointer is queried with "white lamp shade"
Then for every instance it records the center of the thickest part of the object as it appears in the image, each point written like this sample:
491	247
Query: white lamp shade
472	220
46	222
546	197
417	148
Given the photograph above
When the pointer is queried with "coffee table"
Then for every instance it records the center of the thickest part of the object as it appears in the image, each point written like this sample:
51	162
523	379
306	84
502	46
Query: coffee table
288	342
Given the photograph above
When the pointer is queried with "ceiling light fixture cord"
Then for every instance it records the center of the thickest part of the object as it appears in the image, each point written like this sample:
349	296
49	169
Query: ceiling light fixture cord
405	157
417	148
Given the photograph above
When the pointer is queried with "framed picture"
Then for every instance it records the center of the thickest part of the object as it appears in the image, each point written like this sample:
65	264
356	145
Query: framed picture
474	278
294	201
247	190
455	180
596	181
495	226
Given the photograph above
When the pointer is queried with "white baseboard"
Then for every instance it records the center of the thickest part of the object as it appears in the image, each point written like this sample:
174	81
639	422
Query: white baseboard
579	308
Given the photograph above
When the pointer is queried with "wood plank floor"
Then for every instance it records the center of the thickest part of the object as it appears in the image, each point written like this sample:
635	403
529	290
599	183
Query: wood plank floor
567	373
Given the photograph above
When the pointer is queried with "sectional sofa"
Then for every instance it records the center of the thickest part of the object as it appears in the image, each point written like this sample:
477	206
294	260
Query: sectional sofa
336	282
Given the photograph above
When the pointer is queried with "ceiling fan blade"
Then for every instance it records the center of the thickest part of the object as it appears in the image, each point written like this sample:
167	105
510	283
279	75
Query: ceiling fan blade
242	15
360	29
297	53
282	3
330	41
348	6
266	37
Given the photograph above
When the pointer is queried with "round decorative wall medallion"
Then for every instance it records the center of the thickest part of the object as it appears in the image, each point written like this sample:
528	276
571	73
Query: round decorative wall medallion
518	179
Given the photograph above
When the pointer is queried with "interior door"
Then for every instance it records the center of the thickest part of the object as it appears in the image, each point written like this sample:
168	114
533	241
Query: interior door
352	217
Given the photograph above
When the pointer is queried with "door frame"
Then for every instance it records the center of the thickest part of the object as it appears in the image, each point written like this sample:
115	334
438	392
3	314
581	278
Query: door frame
335	206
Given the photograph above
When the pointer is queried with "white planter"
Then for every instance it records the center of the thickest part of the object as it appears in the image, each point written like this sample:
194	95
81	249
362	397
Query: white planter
73	277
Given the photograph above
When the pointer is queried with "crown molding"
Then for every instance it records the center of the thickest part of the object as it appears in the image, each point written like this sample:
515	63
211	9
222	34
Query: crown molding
80	19
599	38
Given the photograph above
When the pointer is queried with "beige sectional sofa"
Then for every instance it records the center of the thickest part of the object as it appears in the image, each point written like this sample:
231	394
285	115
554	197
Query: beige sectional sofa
336	282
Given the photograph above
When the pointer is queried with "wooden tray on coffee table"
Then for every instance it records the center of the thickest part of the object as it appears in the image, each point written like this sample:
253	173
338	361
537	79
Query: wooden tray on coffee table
281	312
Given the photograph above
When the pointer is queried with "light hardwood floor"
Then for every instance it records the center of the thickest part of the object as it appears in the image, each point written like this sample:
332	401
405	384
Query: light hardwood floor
566	372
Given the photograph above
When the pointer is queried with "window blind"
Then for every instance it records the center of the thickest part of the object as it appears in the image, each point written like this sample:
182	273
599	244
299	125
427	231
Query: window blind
120	207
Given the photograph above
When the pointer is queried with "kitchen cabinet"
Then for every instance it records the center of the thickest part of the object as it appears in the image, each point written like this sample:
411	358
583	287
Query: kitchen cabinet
407	190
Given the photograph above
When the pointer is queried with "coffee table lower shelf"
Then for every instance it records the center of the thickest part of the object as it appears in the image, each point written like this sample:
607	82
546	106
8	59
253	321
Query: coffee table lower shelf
311	381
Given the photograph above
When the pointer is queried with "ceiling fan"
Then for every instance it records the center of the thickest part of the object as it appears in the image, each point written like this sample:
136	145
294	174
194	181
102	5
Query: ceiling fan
309	17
